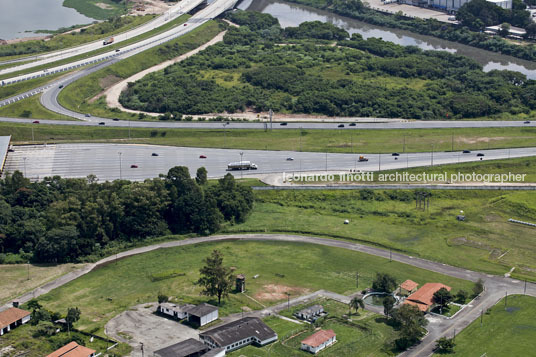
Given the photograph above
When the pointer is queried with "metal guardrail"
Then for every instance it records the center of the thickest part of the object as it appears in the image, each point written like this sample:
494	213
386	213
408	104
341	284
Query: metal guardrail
522	222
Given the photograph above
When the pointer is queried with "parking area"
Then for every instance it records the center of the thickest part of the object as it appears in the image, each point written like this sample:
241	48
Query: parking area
140	325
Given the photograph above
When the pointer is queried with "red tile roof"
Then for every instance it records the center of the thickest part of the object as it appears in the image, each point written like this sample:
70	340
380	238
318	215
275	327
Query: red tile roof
318	338
72	349
409	285
424	297
7	317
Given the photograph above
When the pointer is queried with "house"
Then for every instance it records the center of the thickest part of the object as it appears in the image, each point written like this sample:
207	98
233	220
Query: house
310	313
187	348
177	311
424	297
408	287
11	318
73	349
318	341
202	314
239	333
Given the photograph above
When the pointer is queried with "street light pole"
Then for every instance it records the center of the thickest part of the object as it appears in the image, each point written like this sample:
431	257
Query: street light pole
24	159
432	162
120	166
241	168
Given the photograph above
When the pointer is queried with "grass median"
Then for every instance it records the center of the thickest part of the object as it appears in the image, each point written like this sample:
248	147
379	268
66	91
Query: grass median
30	108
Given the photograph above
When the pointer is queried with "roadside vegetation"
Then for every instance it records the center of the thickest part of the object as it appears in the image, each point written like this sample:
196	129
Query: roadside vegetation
21	87
98	9
30	108
256	68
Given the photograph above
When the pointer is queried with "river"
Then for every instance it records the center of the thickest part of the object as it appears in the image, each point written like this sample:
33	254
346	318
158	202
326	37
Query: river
19	16
293	14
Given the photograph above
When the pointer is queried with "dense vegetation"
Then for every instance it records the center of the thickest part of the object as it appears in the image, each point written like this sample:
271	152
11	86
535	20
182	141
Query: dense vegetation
357	78
431	27
477	14
64	220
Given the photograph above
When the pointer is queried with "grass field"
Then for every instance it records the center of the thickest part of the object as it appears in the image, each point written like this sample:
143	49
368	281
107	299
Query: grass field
334	141
504	332
21	87
296	268
90	8
364	334
485	241
15	280
33	106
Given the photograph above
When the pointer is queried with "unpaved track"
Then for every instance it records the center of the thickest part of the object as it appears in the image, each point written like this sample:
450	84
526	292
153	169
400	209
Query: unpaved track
496	286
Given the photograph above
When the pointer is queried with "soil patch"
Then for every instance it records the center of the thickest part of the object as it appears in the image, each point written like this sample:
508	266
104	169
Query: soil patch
273	292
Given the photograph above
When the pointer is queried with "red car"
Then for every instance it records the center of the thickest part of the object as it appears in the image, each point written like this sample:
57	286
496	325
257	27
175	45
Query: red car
133	166
185	24
36	122
202	157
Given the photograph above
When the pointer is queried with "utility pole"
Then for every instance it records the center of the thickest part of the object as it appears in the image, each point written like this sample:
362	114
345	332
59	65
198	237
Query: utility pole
481	315
24	159
241	169
288	300
357	279
452	143
300	137
326	161
33	138
120	166
271	114
432	155
390	255
379	162
404	147
525	288
505	299
29	272
129	127
224	136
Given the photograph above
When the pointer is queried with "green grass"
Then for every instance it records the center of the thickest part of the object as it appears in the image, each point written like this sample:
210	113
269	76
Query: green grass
33	105
21	338
80	92
333	141
90	9
104	293
451	311
504	332
21	87
486	241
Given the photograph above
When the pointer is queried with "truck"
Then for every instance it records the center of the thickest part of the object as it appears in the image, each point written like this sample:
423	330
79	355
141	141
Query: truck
241	165
108	41
362	158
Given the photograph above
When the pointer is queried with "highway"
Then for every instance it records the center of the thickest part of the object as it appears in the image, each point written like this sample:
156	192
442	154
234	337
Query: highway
113	161
173	12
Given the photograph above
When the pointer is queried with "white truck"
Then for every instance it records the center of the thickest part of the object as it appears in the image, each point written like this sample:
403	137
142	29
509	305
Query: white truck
241	165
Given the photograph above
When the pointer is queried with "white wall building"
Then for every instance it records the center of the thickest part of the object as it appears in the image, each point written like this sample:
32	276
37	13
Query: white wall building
318	341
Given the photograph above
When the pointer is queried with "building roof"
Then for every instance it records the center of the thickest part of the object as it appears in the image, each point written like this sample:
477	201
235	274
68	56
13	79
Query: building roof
214	352
202	310
182	349
424	297
13	314
174	307
72	349
409	285
319	337
311	310
238	330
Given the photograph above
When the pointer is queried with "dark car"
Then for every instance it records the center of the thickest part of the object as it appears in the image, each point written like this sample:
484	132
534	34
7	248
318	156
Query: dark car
87	115
283	124
154	154
115	119
10	150
340	126
352	124
102	123
526	122
36	122
202	157
466	151
480	154
117	50
185	24
395	154
133	166
61	86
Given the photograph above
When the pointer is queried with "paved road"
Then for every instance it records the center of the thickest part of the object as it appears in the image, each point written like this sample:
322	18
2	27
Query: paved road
495	286
104	160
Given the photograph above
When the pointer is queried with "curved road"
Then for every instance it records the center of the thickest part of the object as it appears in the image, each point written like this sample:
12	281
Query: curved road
495	286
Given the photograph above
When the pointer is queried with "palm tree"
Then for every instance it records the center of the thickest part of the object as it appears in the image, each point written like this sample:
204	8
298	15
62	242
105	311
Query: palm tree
357	303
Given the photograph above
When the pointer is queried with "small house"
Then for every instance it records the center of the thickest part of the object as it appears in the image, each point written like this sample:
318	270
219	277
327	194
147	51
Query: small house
408	287
186	348
73	349
202	314
318	341
179	312
310	313
424	297
11	318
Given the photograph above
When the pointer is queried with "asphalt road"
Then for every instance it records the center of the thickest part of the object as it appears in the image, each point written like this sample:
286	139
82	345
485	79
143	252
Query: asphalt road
104	160
495	286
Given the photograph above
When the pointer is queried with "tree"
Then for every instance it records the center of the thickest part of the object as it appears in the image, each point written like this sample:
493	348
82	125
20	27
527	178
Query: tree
445	345
504	29
388	305
162	298
478	287
216	279
461	296
410	322
384	282
33	304
201	176
73	315
442	297
357	303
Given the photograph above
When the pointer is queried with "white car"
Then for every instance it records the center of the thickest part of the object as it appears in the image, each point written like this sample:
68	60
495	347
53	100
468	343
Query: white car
290	159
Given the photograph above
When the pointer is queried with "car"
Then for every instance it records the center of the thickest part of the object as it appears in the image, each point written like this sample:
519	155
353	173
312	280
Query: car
283	124
340	126
526	122
133	166
117	50
466	151
61	86
87	115
115	119
290	159
395	154
352	124
154	154
102	123
185	24
480	154
36	122
202	157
